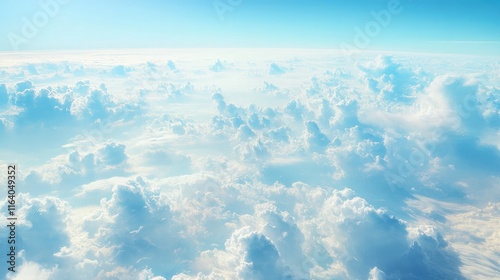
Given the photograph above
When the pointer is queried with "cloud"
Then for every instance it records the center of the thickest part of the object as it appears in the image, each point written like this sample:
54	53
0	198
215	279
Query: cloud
377	274
263	258
347	115
125	237
268	88
60	108
171	65
392	80
280	134
381	170
274	69
95	105
4	96
113	154
295	109
329	241
130	211
32	271
464	225
253	255
22	86
45	218
289	170
326	113
250	254
316	140
76	168
176	91
348	218
120	70
43	106
218	66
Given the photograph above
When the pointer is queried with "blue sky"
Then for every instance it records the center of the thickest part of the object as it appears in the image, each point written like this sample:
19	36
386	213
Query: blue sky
463	26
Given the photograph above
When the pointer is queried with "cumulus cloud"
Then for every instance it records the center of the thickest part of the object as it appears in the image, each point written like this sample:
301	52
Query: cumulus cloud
176	91
113	154
92	105
119	70
255	256
381	170
391	80
32	271
274	69
139	226
42	106
218	66
4	96
316	140
377	274
280	134
295	109
268	88
64	172
171	65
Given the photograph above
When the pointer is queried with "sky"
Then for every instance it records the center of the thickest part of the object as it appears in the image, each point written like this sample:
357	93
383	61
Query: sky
254	140
463	26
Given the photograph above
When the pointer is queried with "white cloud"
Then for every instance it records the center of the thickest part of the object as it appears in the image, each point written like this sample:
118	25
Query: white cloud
254	167
274	69
377	274
218	66
32	271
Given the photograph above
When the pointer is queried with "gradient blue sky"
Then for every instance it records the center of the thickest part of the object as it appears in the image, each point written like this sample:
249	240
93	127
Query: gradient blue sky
465	26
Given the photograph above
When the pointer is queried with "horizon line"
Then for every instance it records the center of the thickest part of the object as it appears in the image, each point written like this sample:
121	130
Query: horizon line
319	49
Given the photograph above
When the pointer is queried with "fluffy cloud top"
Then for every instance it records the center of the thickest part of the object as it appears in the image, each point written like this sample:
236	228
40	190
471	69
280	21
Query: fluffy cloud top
149	169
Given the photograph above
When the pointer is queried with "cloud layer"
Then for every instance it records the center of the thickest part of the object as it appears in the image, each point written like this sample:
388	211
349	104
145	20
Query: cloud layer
170	166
